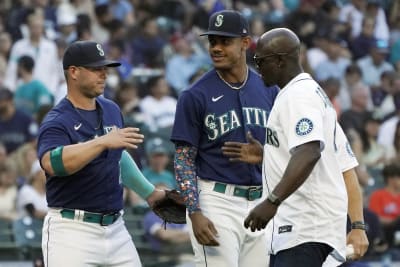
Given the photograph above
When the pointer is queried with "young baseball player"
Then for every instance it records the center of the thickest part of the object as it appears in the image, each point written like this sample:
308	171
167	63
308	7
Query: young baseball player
307	202
80	144
224	104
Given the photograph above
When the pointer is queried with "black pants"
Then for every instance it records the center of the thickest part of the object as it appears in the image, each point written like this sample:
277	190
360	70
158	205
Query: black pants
311	254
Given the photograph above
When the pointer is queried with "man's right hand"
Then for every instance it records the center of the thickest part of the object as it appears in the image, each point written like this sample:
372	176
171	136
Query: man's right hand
204	229
128	137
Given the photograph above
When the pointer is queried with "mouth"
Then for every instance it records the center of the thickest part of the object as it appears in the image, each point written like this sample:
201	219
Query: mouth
217	58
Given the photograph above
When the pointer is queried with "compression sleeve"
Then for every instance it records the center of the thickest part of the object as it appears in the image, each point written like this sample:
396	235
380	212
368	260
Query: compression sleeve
186	178
133	178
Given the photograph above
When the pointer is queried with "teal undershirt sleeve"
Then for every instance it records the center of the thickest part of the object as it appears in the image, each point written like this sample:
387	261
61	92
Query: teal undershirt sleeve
133	178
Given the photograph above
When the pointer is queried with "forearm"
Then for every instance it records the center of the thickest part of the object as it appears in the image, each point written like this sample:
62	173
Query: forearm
185	172
75	157
298	169
133	178
355	202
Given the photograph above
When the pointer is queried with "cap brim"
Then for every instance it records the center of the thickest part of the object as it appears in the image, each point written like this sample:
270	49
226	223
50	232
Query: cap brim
103	63
227	34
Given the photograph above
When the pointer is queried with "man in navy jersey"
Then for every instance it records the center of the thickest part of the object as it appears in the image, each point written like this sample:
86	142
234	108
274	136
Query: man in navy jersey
225	104
80	147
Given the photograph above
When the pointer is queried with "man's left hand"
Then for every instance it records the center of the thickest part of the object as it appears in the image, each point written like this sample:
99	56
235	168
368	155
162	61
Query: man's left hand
260	216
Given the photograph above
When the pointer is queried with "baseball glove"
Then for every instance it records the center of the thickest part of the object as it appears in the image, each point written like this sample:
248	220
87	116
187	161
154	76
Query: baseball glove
172	208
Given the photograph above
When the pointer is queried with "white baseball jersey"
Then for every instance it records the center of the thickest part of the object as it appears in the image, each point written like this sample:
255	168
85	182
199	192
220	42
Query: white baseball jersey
317	210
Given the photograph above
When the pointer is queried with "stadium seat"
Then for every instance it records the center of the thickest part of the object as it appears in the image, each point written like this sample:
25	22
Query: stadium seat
8	248
28	236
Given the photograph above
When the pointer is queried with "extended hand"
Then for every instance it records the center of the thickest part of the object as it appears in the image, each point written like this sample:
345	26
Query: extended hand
250	152
204	230
122	138
260	216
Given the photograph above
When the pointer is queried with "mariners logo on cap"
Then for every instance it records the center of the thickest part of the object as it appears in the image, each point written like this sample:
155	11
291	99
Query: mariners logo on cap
304	126
101	51
219	20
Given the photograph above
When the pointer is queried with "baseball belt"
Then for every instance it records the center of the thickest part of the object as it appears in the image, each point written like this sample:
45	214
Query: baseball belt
250	193
104	219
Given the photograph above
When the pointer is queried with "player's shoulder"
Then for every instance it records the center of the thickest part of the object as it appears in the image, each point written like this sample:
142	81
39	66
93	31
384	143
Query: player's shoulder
206	81
200	89
59	112
106	103
302	84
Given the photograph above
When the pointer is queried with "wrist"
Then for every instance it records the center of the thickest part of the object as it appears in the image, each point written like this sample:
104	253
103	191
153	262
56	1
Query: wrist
358	225
273	199
194	213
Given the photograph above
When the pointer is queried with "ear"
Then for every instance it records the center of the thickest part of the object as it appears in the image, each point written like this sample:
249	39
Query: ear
73	72
246	42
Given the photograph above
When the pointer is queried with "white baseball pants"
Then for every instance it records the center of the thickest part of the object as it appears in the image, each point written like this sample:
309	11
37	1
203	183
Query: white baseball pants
239	247
67	243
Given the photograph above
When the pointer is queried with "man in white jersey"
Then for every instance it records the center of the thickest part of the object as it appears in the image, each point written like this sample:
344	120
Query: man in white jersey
308	166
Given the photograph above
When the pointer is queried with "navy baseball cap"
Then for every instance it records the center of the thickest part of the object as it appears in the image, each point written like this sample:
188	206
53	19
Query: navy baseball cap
86	54
228	23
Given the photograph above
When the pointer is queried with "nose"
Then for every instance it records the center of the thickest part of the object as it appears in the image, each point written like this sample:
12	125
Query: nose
103	72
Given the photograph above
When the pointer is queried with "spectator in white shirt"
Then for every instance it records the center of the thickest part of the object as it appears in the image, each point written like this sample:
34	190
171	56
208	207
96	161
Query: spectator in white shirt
31	199
159	107
42	50
354	12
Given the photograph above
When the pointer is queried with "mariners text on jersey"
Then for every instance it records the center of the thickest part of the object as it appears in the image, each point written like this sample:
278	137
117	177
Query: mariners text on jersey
222	124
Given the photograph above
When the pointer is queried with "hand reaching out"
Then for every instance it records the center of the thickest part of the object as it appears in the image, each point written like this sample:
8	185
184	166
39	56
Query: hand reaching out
128	137
250	152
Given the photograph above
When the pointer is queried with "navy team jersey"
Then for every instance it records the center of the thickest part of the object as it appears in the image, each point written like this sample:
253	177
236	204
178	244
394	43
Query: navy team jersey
210	113
96	187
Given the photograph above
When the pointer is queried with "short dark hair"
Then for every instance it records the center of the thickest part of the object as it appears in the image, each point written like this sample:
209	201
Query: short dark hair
391	170
26	62
152	81
353	68
6	94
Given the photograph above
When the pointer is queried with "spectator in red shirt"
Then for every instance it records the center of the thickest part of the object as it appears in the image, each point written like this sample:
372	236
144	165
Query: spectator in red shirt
386	202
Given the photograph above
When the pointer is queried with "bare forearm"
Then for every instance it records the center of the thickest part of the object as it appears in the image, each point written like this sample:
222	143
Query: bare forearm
298	169
76	156
355	203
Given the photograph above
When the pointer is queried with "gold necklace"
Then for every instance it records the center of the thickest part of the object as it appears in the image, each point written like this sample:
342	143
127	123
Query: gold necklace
231	86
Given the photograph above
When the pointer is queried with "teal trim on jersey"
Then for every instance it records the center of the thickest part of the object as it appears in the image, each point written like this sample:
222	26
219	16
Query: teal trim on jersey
251	193
133	178
56	161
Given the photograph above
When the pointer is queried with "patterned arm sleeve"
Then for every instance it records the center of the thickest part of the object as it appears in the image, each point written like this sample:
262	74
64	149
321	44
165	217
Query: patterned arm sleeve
185	171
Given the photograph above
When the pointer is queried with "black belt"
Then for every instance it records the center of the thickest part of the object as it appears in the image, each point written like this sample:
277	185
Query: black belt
104	219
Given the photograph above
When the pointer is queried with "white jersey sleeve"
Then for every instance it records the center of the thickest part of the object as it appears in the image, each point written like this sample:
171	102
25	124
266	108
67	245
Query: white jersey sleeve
344	154
304	114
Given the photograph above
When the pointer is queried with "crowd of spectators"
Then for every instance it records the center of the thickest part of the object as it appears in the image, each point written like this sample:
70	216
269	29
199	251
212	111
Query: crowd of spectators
352	47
